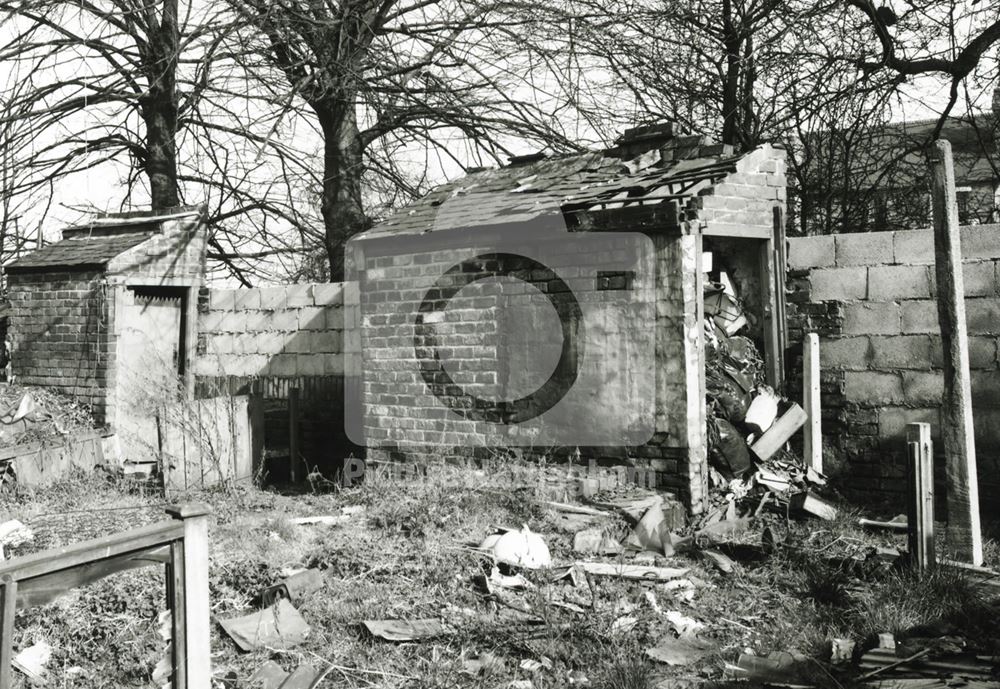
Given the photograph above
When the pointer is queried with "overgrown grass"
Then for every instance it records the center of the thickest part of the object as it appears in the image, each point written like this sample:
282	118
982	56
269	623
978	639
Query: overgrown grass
407	556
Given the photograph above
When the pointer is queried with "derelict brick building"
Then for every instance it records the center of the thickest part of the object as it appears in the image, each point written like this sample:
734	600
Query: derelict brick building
687	196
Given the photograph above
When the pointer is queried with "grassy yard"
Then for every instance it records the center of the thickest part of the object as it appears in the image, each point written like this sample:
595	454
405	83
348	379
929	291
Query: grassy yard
407	555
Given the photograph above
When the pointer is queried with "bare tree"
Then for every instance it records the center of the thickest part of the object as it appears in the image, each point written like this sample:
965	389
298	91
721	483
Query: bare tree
448	81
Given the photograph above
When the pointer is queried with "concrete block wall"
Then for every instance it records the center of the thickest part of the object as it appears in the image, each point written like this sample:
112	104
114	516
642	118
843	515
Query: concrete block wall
60	328
287	331
871	299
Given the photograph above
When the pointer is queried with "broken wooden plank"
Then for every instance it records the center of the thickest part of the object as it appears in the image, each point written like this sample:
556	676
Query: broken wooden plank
783	429
577	509
614	569
894	525
814	505
405	630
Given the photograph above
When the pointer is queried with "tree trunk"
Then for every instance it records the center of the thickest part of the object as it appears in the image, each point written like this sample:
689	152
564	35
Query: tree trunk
730	88
343	164
158	108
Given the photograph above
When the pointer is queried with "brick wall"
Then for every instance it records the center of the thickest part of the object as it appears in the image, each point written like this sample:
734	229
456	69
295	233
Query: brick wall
871	299
60	330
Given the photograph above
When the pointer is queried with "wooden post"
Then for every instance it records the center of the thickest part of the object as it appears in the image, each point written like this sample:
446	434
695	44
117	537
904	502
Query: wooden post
920	495
256	404
811	401
964	532
8	605
769	310
293	435
191	576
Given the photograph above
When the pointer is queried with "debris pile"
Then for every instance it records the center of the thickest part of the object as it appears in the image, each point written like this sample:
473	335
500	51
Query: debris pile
748	423
35	414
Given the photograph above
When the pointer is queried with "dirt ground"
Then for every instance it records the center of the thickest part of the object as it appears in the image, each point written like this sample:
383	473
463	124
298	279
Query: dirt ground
408	553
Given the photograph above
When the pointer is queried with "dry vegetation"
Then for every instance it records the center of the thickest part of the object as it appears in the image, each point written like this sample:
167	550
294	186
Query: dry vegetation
407	555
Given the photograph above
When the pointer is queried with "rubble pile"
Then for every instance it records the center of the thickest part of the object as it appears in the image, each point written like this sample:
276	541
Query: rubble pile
35	414
748	423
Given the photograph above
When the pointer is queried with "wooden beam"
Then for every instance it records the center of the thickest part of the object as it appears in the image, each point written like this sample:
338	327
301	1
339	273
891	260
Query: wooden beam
256	409
780	282
811	401
964	532
769	311
294	462
920	495
178	625
130	542
8	605
45	588
778	434
197	642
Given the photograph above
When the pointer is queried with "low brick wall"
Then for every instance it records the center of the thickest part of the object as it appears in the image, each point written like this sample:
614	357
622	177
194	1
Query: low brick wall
871	299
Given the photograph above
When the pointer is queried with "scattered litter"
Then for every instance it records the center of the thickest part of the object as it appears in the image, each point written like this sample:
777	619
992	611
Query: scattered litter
652	532
653	603
32	660
305	676
518	548
268	676
405	630
720	531
723	562
841	650
624	624
609	569
577	509
681	588
569	573
939	656
730	453
780	668
897	523
684	650
595	541
532	665
13	533
763	410
279	626
814	505
484	664
496	580
325	519
295	588
682	624
633	507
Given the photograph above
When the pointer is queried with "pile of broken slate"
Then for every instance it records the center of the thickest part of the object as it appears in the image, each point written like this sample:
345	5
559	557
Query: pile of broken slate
748	423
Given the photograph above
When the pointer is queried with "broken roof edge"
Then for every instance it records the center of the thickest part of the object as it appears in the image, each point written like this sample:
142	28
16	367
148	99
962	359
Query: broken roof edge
133	221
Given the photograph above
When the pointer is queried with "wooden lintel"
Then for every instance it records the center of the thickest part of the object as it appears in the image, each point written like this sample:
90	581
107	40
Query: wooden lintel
745	231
